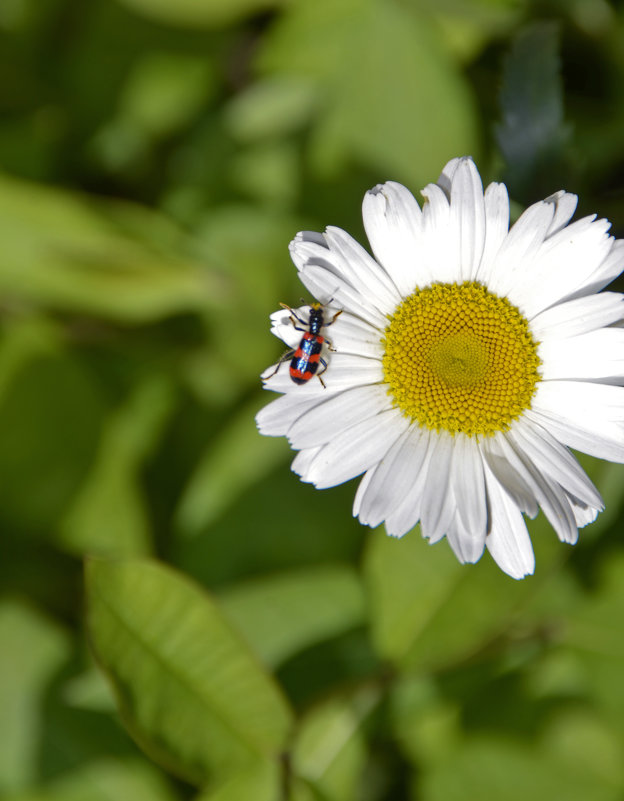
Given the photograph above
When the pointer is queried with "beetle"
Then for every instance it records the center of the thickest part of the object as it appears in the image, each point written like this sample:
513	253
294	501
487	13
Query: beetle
306	357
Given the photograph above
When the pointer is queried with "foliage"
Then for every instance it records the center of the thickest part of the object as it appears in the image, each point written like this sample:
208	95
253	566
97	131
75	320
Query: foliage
181	618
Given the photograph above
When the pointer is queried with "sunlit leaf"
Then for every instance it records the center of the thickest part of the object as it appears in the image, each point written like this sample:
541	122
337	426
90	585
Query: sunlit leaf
188	689
61	251
105	780
262	781
489	767
33	649
271	107
330	752
580	736
390	95
285	613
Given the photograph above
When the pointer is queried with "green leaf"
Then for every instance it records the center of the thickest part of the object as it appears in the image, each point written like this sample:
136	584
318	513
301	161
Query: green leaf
426	725
271	108
488	767
165	90
73	254
262	781
390	95
268	172
330	751
283	614
199	13
189	690
33	649
105	780
594	635
22	340
582	737
429	611
236	459
108	515
50	418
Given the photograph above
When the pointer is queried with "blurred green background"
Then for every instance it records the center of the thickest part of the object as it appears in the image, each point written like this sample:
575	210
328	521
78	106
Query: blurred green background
156	158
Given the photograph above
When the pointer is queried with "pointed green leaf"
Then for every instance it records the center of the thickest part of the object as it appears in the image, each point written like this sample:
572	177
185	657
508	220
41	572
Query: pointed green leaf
188	688
283	614
33	649
237	458
108	515
330	751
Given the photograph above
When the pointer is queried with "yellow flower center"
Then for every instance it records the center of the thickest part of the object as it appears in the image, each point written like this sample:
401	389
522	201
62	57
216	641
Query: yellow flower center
461	359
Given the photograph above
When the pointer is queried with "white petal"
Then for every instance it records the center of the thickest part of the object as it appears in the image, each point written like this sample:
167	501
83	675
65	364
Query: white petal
578	316
446	177
583	514
438	502
361	270
440	239
562	266
468	217
467	545
393	479
356	450
496	228
548	495
276	417
344	370
320	281
336	414
585	416
607	270
508	539
350	334
468	485
393	224
348	262
596	356
554	460
302	461
518	248
407	514
565	206
516	487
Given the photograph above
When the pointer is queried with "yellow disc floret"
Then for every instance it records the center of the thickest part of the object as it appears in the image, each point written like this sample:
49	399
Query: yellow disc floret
461	359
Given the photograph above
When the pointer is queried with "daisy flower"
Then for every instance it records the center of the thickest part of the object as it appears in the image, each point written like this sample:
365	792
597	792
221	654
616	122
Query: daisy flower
469	357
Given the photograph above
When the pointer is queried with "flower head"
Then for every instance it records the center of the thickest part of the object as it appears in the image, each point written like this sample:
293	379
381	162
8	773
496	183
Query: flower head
468	358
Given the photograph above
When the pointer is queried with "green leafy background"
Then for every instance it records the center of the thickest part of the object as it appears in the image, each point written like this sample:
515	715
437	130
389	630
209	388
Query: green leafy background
180	617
